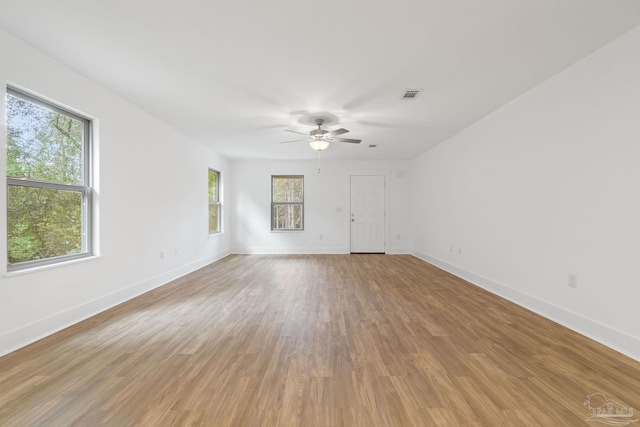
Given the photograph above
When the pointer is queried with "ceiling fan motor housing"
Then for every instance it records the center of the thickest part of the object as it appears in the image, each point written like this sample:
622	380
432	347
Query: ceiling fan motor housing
320	138
318	133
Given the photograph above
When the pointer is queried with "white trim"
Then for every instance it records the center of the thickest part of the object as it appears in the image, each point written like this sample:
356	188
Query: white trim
248	250
42	267
398	251
25	335
612	338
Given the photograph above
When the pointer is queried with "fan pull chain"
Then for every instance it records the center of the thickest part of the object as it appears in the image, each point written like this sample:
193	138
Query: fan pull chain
318	163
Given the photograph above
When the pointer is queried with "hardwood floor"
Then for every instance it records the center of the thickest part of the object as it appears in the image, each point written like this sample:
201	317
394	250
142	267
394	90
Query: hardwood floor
317	340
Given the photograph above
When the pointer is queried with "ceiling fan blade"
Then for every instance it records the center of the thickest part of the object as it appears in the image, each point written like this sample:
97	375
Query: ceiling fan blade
295	140
295	131
338	132
352	141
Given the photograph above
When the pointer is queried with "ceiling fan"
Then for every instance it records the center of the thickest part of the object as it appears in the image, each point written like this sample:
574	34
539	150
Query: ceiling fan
320	139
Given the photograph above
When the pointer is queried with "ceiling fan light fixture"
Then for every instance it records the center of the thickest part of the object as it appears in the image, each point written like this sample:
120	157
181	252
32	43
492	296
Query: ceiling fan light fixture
319	144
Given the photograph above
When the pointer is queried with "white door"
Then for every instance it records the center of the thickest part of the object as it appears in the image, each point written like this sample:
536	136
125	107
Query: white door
367	214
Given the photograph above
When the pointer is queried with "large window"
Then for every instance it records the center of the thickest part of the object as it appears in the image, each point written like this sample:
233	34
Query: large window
48	183
214	201
287	202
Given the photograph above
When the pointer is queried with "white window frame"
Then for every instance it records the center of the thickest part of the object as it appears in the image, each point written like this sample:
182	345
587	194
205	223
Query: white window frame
213	202
85	188
274	204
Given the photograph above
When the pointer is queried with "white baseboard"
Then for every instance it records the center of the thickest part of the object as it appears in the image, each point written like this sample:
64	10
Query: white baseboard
248	250
23	336
398	251
612	338
244	250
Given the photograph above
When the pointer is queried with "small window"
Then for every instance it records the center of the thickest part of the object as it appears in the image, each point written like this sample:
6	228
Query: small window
287	202
48	183
214	201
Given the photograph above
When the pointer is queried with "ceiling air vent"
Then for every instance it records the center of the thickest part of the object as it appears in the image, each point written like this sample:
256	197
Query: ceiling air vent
410	94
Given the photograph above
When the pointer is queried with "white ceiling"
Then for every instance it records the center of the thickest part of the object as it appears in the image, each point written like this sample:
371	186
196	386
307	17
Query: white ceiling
235	74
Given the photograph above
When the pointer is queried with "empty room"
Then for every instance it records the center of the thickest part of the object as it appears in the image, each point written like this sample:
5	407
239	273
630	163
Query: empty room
418	213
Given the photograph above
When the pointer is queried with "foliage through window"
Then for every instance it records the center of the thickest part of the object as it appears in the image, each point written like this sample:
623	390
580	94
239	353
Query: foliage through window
214	201
48	183
287	202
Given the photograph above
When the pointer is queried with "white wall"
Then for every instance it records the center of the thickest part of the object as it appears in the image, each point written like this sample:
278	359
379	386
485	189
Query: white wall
152	196
326	199
546	186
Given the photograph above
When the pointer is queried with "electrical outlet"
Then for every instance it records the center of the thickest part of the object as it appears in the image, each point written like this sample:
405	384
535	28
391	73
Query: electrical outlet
573	280
321	237
161	254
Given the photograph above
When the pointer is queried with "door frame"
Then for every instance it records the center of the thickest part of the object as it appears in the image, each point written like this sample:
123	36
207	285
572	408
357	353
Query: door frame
372	172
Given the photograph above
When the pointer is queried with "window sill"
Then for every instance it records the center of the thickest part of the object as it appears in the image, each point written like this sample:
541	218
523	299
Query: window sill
9	274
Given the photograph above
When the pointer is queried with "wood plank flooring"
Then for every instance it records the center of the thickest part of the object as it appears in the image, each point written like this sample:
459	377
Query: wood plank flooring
314	340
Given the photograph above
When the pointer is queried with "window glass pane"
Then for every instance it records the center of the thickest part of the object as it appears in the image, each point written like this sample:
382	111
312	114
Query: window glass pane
213	186
43	223
43	144
287	217
287	189
214	225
